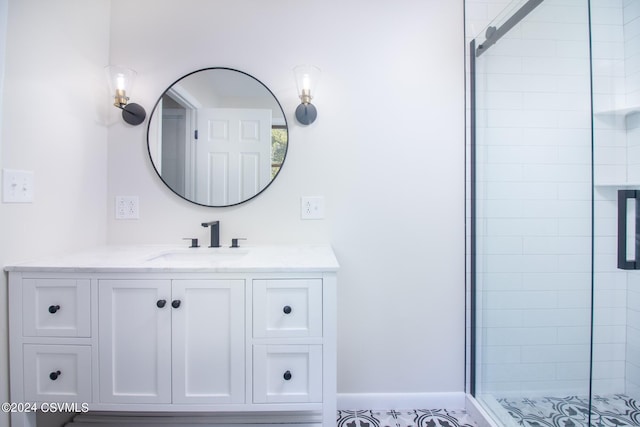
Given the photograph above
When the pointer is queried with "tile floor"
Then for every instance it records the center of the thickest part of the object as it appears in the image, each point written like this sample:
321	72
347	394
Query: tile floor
405	418
608	411
364	418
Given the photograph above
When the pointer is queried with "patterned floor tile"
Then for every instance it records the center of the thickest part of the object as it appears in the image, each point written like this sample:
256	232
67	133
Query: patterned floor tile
573	411
404	418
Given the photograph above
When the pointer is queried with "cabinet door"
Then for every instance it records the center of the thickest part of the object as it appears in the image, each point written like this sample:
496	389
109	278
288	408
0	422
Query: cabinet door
135	341
208	341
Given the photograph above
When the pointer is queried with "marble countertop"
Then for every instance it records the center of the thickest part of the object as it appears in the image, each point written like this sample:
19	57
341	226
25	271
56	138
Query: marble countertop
164	258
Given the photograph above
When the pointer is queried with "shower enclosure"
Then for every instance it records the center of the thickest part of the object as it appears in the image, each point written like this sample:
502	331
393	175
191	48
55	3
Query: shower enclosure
553	165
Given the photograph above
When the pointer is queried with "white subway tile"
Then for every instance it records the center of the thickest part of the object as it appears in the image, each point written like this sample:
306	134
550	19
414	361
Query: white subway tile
502	354
520	336
554	317
574	227
607	33
574	371
610	155
605	352
502	245
609	334
554	31
610	280
505	300
559	353
573	191
501	281
574	334
575	299
610	316
556	281
608	369
613	51
607	16
499	318
557	245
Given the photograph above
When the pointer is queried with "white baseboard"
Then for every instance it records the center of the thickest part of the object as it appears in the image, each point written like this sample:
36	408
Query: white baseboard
354	401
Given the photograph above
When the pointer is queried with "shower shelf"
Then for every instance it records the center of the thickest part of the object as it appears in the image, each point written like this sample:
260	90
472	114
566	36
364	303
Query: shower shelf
617	184
619	111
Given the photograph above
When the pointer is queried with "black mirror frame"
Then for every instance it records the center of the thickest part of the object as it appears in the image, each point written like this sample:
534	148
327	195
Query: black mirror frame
155	107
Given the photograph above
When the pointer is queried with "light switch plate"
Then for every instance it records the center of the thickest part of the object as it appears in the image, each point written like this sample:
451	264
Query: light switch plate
312	207
17	186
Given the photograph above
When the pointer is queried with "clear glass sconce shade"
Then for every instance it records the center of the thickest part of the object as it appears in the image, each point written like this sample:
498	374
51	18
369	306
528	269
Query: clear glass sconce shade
307	77
120	83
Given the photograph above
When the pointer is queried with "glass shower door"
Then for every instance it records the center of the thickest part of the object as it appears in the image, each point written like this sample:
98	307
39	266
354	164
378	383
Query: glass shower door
532	214
615	26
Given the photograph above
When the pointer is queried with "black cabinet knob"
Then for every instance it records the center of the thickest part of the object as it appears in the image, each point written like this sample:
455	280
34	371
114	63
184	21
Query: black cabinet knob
53	309
287	375
286	309
161	303
54	375
175	303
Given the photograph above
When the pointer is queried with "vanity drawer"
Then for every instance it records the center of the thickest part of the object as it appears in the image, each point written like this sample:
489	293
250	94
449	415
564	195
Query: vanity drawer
287	308
287	373
57	373
56	307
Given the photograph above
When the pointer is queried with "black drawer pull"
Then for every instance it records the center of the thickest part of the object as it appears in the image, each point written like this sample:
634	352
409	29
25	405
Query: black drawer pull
54	375
53	309
161	303
175	303
286	309
287	375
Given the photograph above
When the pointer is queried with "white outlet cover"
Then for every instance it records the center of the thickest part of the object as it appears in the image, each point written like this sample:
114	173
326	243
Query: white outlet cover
127	207
312	207
17	186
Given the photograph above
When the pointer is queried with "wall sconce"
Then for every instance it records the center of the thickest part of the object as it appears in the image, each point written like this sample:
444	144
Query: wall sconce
120	83
307	77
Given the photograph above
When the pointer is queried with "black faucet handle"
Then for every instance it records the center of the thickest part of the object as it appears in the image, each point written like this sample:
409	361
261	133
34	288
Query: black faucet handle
194	242
234	242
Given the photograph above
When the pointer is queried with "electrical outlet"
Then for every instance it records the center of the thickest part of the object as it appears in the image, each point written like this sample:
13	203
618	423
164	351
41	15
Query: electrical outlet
17	186
312	207
127	207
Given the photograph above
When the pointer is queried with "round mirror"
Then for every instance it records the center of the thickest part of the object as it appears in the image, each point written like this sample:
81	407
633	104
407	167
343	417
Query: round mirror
217	137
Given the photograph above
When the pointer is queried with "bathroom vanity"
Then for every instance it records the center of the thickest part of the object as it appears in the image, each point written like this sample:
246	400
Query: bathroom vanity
245	332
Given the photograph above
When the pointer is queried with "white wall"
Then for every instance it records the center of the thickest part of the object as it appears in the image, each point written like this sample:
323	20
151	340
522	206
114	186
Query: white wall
386	153
53	124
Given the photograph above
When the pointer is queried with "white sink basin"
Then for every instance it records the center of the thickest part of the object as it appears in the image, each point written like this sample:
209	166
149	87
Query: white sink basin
197	256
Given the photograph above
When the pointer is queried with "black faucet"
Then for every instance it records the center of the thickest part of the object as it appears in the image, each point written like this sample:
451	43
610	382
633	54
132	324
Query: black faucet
215	233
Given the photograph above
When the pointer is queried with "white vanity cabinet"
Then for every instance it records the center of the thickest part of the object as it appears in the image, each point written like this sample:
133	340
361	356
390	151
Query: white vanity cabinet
244	337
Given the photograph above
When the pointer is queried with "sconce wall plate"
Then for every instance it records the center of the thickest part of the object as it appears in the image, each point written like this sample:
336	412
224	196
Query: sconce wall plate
306	114
133	113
